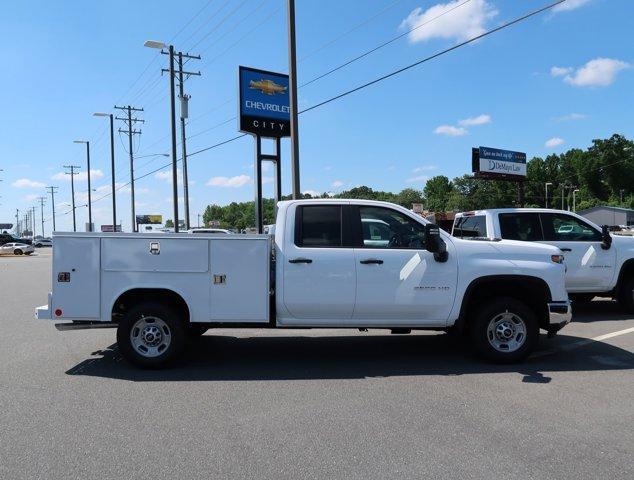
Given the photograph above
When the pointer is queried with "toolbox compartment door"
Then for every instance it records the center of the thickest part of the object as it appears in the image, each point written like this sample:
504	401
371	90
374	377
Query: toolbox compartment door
78	298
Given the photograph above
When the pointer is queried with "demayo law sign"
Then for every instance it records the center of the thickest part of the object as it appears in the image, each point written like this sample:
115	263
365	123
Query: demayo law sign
264	104
495	163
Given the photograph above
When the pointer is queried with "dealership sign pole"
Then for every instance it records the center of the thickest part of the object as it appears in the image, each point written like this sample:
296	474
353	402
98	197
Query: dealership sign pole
495	164
264	112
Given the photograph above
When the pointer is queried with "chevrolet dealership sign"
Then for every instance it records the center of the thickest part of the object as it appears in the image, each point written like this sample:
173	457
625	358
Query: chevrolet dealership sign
499	164
264	103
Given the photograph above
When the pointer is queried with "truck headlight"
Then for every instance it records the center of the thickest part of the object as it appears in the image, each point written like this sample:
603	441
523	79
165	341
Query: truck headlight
557	258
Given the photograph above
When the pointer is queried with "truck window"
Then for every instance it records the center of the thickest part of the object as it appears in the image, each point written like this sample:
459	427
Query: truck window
387	228
470	227
560	227
319	226
521	226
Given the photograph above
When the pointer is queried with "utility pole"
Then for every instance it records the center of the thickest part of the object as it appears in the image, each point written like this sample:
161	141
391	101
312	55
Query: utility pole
563	187
292	86
89	187
52	191
199	220
114	201
184	115
130	131
17	222
33	222
41	200
72	174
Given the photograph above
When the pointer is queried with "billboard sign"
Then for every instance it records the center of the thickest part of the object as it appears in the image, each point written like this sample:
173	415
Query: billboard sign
149	219
264	103
494	163
108	228
6	226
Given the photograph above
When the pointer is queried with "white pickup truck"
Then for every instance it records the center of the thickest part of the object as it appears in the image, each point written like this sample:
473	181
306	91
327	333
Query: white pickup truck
331	264
597	263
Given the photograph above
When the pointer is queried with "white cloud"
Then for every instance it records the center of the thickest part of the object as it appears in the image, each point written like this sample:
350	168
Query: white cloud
554	142
418	178
460	24
267	180
599	72
560	71
81	176
424	168
312	193
572	117
235	182
569	5
479	120
26	183
450	131
337	184
30	198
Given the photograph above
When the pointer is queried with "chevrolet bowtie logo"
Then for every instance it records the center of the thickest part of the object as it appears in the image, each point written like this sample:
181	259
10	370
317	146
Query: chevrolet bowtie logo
268	87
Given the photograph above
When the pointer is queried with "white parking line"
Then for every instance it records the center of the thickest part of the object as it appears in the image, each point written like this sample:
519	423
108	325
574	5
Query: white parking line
581	343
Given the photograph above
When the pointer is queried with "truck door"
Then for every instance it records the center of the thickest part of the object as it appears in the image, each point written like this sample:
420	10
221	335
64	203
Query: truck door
319	267
398	281
589	267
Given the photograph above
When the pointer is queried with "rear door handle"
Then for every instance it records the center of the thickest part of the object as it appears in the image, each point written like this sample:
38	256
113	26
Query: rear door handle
371	261
300	260
566	249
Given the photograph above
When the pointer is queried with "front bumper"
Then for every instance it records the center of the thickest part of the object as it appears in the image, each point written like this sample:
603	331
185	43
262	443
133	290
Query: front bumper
559	315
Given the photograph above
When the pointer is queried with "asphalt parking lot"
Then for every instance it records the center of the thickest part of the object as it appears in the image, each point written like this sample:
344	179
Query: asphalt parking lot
310	404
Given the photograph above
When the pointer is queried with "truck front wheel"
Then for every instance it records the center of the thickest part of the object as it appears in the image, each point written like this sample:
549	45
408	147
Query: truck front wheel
151	335
504	330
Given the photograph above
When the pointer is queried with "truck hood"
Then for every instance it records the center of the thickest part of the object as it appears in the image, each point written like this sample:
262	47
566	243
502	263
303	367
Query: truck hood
510	249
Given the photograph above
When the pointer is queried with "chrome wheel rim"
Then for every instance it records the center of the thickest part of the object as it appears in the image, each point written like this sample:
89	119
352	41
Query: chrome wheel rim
506	332
150	337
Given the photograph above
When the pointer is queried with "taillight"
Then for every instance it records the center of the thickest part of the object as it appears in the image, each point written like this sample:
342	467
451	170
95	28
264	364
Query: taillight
557	258
58	312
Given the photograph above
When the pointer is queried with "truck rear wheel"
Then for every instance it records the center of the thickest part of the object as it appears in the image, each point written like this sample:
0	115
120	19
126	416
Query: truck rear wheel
626	296
151	335
504	330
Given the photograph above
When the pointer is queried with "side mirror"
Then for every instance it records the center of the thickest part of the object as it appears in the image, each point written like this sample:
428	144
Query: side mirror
606	240
434	242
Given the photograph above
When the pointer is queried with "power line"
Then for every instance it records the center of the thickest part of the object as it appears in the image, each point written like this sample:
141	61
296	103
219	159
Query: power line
384	44
435	55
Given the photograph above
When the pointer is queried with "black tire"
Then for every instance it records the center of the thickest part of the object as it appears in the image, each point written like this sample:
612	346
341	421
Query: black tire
626	295
491	312
38	245
17	251
166	321
195	331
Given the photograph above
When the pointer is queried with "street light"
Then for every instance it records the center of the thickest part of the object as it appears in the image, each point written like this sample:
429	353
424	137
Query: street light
154	155
161	46
114	202
90	229
574	199
547	183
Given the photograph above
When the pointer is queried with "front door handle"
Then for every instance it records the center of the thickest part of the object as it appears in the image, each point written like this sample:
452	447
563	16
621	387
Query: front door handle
300	260
566	249
371	261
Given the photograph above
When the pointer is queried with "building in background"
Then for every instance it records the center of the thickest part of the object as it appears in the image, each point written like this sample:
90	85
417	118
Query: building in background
611	216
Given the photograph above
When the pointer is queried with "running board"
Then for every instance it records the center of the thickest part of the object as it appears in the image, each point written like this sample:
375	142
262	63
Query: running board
63	327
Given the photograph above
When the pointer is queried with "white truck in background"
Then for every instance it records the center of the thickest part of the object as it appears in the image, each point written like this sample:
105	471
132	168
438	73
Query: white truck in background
597	263
330	264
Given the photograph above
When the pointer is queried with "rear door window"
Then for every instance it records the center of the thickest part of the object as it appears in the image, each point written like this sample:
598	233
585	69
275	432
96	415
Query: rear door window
470	227
319	226
521	226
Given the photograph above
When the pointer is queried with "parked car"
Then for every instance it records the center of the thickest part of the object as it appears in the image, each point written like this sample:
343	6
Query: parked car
16	249
43	242
597	262
210	230
8	238
322	269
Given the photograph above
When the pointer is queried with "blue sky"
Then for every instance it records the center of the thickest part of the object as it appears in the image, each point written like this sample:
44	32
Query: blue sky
548	84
